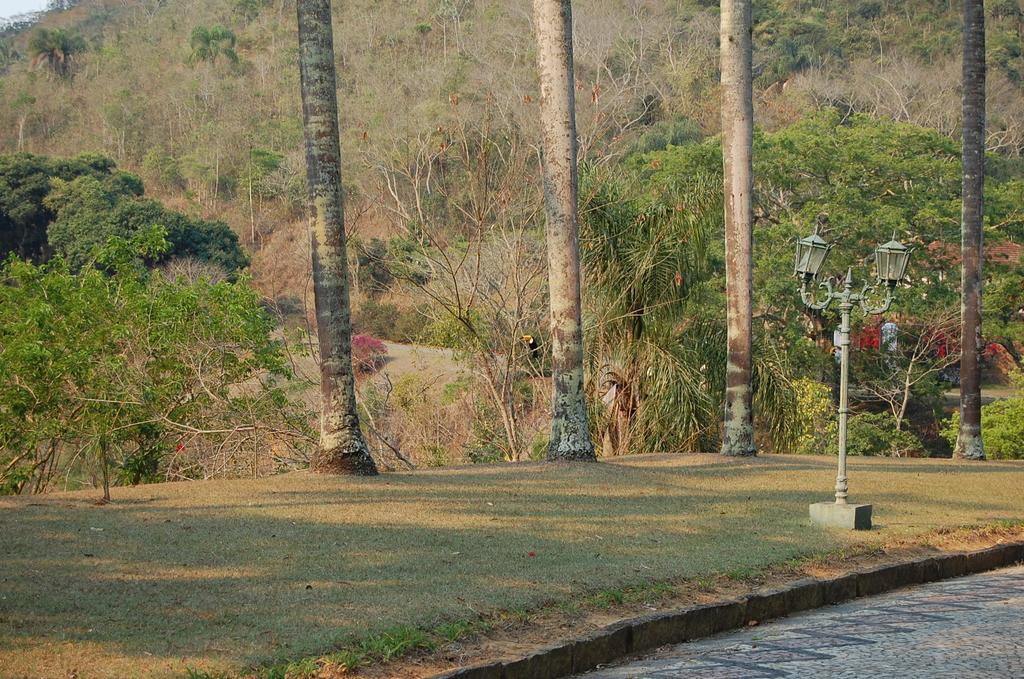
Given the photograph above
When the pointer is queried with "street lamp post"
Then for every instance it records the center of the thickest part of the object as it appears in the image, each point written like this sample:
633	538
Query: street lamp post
891	260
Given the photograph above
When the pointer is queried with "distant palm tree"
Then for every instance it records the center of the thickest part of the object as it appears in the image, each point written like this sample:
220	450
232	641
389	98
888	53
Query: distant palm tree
56	48
211	42
968	443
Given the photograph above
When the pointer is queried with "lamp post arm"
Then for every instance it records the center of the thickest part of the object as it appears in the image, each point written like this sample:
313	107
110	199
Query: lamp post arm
870	310
809	298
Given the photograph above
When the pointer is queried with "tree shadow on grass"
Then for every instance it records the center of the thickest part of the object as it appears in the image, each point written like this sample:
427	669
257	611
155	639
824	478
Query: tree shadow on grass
227	574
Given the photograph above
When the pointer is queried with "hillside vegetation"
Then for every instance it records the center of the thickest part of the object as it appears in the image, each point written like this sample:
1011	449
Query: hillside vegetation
201	98
188	113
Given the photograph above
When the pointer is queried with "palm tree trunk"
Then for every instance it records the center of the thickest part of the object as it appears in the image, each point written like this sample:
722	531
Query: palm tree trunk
342	449
968	444
570	431
737	154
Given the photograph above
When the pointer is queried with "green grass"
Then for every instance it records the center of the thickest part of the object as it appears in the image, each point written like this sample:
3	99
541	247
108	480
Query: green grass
288	572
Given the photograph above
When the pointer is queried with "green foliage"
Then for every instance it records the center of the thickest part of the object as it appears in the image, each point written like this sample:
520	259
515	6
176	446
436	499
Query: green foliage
72	207
653	273
248	9
385	320
165	169
373	273
663	134
56	48
860	179
816	417
1003	304
260	170
876	434
1002	426
122	364
208	43
451	332
25	182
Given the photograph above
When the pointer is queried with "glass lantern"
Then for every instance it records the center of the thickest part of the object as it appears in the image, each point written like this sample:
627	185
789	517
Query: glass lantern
891	260
810	256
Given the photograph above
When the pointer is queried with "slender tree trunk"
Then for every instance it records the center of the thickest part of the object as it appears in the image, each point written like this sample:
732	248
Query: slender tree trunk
342	449
570	431
252	214
968	444
104	465
737	156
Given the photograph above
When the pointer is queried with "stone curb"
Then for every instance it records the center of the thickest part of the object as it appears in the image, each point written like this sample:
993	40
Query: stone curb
646	633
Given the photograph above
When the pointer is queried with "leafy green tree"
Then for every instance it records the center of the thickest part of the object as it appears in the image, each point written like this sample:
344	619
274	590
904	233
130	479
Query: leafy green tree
26	180
56	48
1004	309
88	213
72	206
209	43
120	365
859	178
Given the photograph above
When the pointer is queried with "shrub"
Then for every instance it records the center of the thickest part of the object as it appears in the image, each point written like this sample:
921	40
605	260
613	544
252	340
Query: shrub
368	353
109	368
375	318
381	319
1002	427
374	276
816	417
663	134
410	326
876	434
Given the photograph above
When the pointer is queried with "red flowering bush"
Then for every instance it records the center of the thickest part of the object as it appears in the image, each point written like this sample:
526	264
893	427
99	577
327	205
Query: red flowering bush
368	353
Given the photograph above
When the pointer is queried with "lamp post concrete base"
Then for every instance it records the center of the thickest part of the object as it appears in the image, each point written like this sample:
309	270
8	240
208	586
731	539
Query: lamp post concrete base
835	515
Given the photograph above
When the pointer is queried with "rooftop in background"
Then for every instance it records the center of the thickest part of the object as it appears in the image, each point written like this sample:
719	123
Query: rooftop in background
1006	252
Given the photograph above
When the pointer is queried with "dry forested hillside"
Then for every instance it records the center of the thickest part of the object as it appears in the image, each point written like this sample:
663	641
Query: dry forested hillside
200	96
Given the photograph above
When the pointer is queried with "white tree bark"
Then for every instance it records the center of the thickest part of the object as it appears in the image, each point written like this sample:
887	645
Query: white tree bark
737	155
342	449
570	432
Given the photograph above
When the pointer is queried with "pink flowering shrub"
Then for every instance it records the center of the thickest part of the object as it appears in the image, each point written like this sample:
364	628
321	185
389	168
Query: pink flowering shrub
368	353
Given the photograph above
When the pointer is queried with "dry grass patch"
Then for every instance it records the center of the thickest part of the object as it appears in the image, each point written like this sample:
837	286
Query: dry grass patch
227	574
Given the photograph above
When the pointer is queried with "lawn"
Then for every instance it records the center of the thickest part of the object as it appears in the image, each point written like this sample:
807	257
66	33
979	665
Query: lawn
226	574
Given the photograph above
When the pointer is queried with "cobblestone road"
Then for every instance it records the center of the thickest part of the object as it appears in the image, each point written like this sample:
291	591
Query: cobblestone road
969	627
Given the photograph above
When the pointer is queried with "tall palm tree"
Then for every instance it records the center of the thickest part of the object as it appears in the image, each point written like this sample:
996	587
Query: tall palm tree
209	43
968	444
737	154
56	48
570	431
342	449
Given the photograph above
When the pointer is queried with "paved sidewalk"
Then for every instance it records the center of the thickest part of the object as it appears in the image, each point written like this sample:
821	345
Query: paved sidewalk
969	627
